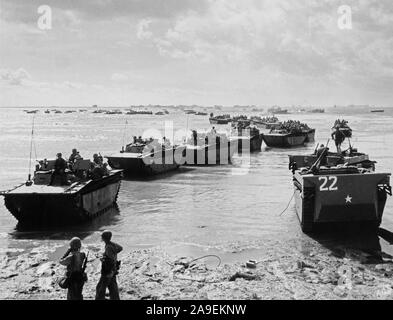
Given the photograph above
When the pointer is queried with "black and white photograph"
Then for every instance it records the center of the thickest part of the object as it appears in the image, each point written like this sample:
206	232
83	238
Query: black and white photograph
217	152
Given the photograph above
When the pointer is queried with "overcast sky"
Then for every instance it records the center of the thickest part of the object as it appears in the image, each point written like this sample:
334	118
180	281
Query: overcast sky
262	52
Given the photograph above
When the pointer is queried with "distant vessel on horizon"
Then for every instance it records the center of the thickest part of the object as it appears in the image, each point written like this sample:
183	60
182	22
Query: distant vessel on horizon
377	110
277	110
317	110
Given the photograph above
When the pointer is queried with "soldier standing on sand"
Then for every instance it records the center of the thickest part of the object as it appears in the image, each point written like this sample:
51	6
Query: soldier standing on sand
109	269
75	264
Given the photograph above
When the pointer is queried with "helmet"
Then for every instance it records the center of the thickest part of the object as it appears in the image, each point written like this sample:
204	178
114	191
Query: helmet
75	243
106	235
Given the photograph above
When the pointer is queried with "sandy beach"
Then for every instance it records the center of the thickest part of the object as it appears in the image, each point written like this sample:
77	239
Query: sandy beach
154	273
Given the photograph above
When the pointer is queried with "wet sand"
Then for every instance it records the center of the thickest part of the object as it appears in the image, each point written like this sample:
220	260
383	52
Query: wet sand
311	269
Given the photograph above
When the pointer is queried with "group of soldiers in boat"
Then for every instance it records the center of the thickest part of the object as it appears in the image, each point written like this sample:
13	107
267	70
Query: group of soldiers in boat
65	172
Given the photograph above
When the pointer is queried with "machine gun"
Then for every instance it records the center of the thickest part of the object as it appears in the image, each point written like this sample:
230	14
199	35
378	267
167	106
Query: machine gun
317	163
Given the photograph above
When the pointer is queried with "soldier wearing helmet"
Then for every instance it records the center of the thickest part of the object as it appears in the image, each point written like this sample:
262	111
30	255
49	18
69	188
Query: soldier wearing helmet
75	262
73	156
59	170
97	160
109	268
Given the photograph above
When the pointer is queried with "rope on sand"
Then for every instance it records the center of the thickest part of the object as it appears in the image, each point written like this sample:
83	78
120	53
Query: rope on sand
207	256
186	265
287	204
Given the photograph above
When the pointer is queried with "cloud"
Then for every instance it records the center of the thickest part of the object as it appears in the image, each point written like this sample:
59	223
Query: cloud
100	10
249	50
68	84
20	77
299	38
119	77
142	29
16	78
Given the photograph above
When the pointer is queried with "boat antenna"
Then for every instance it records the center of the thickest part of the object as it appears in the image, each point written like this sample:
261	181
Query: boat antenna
185	138
29	182
124	134
173	138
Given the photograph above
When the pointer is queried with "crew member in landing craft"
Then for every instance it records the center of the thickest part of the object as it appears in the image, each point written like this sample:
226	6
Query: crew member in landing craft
59	170
338	138
97	159
109	269
73	156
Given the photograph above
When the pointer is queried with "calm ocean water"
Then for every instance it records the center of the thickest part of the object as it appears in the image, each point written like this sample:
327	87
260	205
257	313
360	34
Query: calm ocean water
197	207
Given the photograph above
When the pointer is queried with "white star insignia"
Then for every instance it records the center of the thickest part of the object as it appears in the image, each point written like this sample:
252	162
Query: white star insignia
348	199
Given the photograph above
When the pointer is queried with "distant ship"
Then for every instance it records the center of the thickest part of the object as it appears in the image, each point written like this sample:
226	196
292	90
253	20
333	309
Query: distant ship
378	111
139	112
113	112
317	110
223	119
277	110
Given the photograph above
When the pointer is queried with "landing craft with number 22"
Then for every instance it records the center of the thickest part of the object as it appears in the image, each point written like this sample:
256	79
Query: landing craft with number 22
338	188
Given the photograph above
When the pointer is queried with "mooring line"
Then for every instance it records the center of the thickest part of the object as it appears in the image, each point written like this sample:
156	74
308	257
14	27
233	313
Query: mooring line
288	204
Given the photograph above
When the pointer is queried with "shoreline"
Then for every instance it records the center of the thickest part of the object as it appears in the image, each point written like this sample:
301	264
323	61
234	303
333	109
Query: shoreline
297	271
